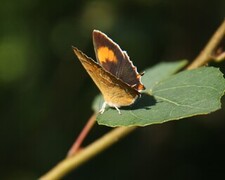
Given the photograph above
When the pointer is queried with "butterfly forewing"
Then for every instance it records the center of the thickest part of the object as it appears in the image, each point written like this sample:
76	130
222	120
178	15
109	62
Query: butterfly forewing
116	61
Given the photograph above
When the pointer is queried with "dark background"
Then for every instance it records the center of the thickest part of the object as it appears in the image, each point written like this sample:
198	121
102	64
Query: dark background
46	95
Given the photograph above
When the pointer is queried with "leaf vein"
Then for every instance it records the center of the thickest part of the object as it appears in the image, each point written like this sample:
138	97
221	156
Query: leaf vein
177	104
185	86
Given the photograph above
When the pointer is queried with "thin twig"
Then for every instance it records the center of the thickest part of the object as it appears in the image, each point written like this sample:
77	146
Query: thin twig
206	55
220	57
75	147
115	135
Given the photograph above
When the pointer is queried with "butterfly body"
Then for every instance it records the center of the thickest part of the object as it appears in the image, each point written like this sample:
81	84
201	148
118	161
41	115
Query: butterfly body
114	74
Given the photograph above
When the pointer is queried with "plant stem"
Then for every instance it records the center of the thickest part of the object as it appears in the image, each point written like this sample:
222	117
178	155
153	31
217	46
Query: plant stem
84	155
206	55
75	147
115	135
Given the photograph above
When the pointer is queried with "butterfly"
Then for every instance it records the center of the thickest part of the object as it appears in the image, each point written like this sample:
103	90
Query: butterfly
113	73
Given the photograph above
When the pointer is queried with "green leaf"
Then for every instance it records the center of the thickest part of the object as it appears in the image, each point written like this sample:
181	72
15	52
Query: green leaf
160	72
185	94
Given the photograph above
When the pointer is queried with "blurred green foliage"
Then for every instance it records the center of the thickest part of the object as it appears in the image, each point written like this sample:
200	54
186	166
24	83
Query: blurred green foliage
46	95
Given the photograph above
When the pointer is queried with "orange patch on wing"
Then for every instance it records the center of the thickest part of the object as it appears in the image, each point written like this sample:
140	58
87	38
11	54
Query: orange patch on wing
140	87
105	54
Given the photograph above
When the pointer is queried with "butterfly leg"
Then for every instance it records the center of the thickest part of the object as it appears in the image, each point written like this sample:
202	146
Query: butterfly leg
117	109
103	108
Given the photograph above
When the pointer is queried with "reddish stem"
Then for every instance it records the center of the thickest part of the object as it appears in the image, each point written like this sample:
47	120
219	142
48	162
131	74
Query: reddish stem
76	145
